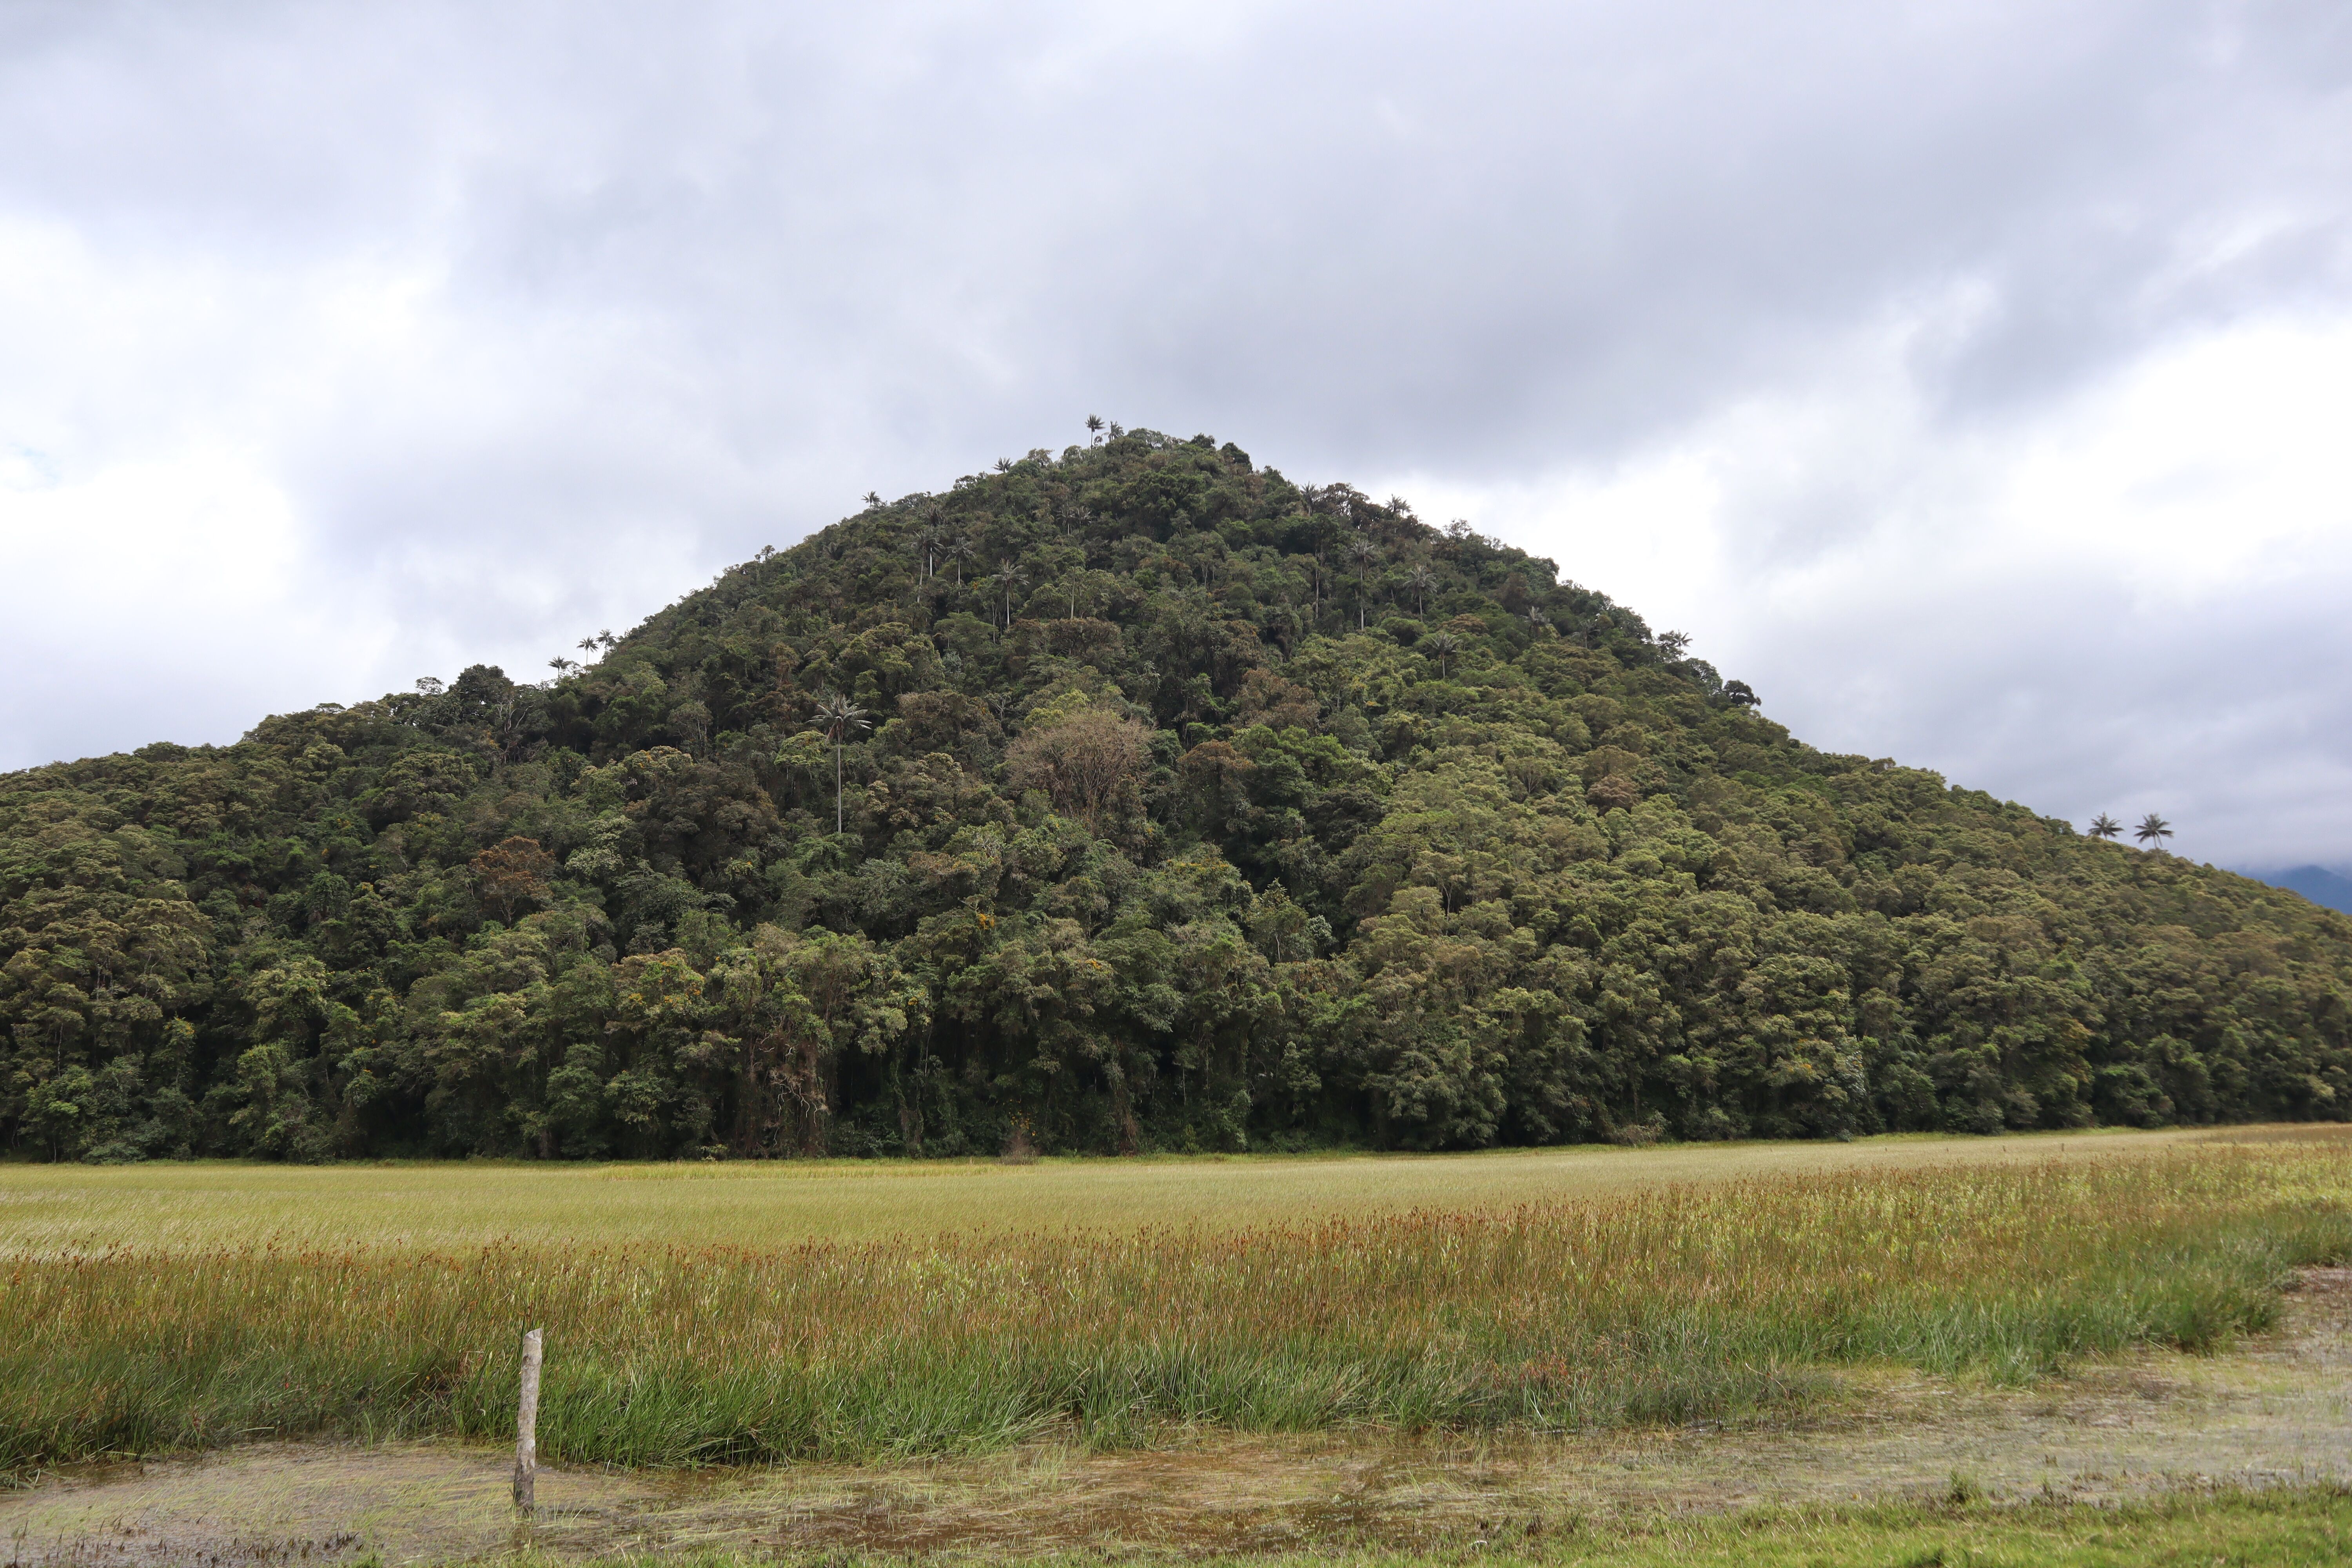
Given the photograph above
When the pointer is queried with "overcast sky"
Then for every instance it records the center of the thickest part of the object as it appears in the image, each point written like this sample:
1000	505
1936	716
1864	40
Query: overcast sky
1974	380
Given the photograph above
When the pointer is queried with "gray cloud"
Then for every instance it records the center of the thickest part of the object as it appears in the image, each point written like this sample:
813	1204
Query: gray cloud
528	317
2229	721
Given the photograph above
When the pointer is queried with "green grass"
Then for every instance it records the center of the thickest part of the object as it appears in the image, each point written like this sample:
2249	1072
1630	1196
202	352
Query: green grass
194	1206
1689	1300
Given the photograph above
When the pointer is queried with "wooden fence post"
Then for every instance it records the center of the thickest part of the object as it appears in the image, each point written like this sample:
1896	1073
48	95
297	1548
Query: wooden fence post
527	1427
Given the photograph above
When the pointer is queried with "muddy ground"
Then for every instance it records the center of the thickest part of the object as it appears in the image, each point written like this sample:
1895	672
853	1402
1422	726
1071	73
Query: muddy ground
2276	1410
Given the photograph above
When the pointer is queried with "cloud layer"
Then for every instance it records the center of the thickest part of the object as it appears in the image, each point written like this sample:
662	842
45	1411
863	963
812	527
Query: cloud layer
1963	377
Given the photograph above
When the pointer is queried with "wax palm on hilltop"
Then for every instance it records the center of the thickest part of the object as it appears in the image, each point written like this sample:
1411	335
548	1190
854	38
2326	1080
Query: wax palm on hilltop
1364	555
1009	581
838	717
1420	580
2153	830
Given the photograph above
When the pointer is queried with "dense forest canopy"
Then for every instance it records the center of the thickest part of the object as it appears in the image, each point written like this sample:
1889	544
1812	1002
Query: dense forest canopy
1179	807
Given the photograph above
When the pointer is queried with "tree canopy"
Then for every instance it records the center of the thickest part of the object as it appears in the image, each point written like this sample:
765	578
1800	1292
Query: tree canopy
1199	810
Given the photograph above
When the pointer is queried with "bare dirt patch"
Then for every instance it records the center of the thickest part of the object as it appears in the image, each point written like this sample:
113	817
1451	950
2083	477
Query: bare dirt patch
2275	1412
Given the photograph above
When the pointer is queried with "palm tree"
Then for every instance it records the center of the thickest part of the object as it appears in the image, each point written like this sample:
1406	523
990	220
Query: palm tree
1443	647
588	646
1094	427
1420	580
562	666
2105	826
1010	578
929	538
837	716
2153	830
959	550
1364	553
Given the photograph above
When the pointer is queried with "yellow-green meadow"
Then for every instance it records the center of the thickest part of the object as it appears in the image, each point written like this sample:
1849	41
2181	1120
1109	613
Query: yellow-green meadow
176	1206
758	1313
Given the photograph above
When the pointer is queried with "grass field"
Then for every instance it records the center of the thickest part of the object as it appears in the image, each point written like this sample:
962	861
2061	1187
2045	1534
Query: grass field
845	1311
757	1205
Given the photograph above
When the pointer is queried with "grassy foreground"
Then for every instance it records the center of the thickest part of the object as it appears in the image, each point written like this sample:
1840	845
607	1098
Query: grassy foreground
2275	1529
1682	1302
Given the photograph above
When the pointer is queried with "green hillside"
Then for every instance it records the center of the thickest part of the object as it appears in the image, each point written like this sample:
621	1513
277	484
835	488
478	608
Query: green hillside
1197	810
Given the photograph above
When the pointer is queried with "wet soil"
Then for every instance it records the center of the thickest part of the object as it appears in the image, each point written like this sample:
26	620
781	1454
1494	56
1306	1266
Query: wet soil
2277	1411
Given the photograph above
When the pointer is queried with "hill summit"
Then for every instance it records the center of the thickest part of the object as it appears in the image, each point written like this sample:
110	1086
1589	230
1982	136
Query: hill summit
1132	797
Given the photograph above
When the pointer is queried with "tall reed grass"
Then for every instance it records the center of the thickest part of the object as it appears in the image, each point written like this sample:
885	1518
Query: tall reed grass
1682	1303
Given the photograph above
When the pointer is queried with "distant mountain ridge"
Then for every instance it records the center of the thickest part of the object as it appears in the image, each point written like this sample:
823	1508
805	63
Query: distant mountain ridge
2327	889
1129	798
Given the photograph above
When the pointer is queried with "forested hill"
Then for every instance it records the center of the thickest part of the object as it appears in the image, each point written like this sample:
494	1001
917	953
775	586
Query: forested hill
1182	807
